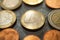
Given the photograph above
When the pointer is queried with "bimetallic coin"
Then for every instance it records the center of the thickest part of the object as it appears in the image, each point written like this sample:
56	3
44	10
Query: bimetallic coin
7	18
11	4
32	2
54	19
32	19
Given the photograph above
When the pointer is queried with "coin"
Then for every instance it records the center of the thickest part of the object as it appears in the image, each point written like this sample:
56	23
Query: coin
11	4
32	19
9	34
7	18
32	2
54	19
31	37
53	3
52	35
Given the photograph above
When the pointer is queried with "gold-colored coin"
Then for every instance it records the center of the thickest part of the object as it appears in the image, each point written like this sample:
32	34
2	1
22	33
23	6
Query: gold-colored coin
7	18
52	35
32	19
54	19
11	4
32	2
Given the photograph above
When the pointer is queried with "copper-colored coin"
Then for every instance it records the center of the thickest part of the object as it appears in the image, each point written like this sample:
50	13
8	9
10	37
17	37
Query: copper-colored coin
31	37
52	35
7	18
54	18
53	3
32	2
11	4
9	34
32	20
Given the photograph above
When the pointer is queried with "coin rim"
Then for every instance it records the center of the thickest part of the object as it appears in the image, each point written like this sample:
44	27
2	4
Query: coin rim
14	15
4	7
32	4
49	19
34	28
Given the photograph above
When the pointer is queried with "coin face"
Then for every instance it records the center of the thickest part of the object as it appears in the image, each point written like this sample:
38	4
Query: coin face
9	34
7	18
54	19
53	3
11	4
32	2
32	19
52	35
31	37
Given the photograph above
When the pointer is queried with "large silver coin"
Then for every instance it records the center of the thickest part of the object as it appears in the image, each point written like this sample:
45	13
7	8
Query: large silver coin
32	19
7	18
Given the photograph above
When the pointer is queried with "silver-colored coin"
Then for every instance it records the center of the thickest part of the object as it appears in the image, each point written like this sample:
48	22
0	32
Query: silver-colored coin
7	18
32	19
54	18
32	2
11	4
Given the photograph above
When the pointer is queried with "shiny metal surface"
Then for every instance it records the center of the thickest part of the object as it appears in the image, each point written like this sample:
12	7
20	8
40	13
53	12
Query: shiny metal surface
7	18
32	2
32	19
24	32
54	19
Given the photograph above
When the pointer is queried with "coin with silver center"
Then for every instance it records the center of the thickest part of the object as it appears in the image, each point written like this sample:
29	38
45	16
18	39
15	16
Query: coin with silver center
7	18
32	19
54	19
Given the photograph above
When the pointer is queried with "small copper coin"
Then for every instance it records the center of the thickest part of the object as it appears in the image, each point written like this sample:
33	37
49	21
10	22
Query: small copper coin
32	20
11	4
32	2
9	34
54	19
53	3
52	35
7	18
31	37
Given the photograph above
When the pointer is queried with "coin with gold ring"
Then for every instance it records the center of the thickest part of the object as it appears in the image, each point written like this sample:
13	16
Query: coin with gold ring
7	18
10	4
32	2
